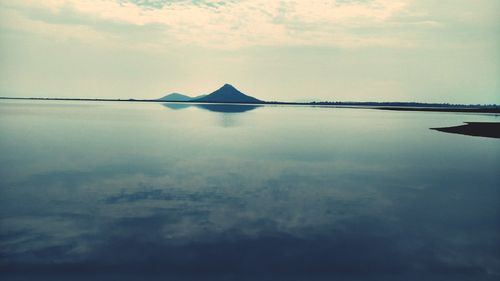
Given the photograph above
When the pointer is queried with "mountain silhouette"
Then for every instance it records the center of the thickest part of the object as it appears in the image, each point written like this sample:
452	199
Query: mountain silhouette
179	97
176	97
227	93
198	97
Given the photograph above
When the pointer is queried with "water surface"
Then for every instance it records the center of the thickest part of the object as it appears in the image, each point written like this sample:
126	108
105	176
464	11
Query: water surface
117	191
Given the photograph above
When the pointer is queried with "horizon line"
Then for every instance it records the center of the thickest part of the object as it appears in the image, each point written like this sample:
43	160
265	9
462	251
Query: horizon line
380	103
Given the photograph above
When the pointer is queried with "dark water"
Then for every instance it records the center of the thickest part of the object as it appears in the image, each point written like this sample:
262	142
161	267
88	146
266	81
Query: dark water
119	191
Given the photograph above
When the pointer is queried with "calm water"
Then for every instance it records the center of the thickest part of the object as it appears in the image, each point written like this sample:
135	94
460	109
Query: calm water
117	191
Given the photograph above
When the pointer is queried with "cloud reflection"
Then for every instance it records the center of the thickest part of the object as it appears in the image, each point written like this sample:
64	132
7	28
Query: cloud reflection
232	210
282	225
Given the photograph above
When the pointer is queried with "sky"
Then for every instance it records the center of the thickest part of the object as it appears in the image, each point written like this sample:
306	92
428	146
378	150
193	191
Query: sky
284	50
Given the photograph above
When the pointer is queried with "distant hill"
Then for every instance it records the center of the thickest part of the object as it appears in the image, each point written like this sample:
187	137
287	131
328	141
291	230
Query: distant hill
180	97
198	97
227	93
176	97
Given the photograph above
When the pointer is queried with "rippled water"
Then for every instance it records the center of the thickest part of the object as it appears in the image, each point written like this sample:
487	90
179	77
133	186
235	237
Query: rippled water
118	191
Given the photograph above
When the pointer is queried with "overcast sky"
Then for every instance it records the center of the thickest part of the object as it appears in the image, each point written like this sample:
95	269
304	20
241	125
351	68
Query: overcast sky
338	50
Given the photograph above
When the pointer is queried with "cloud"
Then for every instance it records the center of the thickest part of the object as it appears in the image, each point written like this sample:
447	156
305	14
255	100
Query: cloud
217	24
330	50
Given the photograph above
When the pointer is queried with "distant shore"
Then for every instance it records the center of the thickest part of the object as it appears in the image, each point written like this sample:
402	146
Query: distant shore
397	106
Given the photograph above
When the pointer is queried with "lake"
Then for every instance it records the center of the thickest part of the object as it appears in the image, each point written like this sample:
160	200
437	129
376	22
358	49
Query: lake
150	191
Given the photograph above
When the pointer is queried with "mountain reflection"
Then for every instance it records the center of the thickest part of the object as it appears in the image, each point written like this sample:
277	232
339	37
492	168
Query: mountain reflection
176	106
224	108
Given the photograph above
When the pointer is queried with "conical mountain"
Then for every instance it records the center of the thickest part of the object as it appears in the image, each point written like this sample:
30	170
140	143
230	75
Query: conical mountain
228	93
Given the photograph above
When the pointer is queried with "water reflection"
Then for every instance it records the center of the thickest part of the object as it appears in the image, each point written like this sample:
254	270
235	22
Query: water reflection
223	108
201	202
176	106
228	117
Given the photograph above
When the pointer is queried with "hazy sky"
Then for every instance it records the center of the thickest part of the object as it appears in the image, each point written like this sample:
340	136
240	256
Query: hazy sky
345	50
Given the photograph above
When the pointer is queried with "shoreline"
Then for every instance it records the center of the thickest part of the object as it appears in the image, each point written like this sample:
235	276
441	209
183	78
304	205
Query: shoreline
476	129
399	106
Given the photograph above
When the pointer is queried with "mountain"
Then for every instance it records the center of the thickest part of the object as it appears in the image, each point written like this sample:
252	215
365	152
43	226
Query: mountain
180	97
176	97
227	93
198	97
